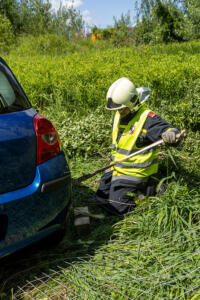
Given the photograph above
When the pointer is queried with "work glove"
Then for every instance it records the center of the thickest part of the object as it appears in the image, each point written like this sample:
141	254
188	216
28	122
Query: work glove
169	137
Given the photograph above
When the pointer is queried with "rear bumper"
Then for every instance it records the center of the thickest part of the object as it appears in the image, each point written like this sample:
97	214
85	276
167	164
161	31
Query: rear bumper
54	184
54	169
37	210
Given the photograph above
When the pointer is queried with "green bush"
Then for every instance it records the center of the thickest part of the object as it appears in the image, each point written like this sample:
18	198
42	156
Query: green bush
48	44
6	33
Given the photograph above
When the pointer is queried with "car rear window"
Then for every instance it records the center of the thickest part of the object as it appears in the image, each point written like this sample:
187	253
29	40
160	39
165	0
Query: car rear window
12	98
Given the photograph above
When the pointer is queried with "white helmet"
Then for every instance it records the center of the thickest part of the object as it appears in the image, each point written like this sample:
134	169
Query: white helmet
122	93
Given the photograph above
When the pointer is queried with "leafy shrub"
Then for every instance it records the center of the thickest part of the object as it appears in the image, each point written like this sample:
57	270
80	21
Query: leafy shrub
6	33
51	44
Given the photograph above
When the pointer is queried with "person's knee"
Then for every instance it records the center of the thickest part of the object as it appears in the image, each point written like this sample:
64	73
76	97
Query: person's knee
123	204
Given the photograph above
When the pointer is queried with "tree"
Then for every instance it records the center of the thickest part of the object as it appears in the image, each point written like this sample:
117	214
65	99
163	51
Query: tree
34	16
192	9
161	21
6	32
27	16
169	20
9	9
67	21
124	21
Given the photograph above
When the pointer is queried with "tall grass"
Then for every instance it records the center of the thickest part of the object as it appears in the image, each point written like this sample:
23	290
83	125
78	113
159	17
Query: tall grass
153	253
73	78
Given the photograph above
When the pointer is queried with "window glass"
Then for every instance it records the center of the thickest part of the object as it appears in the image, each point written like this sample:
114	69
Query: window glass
12	98
7	95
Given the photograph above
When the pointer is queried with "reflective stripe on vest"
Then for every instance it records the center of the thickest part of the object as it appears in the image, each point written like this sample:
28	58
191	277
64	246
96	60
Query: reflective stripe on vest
142	165
130	178
126	152
137	166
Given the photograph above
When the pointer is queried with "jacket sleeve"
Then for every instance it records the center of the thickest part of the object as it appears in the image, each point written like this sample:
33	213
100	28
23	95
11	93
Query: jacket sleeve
155	126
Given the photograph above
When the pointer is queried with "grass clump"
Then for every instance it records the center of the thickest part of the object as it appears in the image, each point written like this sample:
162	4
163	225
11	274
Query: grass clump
152	253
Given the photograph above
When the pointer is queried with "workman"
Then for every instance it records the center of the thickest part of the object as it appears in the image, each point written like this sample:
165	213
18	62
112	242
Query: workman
134	127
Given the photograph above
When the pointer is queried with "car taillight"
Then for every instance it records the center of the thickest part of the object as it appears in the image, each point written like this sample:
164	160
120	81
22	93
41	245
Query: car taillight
48	141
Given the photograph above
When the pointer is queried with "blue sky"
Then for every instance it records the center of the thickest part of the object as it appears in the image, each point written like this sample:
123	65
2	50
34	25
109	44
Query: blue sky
99	12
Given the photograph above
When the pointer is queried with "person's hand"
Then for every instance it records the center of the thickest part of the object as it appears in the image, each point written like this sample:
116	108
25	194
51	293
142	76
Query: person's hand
169	137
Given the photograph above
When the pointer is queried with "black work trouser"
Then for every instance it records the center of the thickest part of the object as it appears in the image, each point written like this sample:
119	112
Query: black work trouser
117	196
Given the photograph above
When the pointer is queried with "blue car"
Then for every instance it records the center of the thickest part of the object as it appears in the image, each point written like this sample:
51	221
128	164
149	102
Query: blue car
35	182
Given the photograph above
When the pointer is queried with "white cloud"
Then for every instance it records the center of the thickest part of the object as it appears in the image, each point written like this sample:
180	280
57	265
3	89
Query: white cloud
68	3
74	4
87	17
55	4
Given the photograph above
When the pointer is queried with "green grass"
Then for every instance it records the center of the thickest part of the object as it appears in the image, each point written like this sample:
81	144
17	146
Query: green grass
153	253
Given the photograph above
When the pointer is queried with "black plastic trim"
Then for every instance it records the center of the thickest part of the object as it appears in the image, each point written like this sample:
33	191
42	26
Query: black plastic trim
54	184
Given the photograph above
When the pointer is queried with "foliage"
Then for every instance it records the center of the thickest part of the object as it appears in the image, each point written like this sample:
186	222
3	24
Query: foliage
70	86
163	21
157	21
193	10
83	137
77	80
6	33
49	44
8	8
152	253
36	17
66	22
28	16
122	33
117	37
123	21
141	262
170	20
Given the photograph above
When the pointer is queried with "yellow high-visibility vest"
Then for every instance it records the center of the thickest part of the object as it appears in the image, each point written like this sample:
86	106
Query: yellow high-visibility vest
137	168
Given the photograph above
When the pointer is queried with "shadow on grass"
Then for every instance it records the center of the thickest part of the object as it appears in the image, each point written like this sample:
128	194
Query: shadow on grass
29	264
